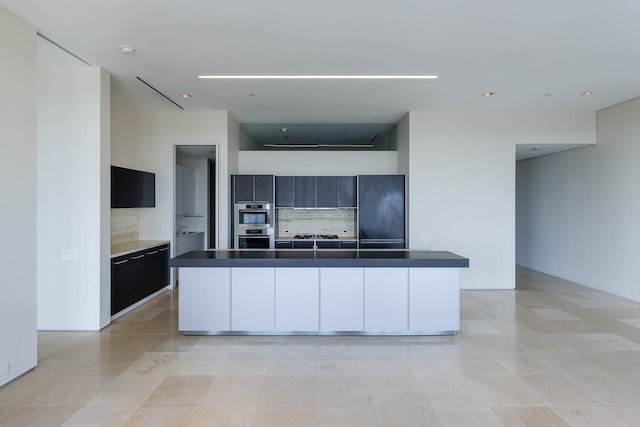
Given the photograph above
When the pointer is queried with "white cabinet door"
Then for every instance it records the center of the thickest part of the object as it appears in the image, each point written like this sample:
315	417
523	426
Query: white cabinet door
204	300
434	303
386	299
341	299
186	190
253	299
297	299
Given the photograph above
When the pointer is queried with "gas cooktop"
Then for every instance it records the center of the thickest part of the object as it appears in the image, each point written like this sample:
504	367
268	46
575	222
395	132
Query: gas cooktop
315	236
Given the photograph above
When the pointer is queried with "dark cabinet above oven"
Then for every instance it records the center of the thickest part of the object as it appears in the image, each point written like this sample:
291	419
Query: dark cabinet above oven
252	188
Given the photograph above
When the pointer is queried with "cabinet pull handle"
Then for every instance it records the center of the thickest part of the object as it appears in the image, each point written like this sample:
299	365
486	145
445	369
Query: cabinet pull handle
137	257
151	253
121	262
164	249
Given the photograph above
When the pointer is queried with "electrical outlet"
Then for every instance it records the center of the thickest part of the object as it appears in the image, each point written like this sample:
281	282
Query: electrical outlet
54	255
425	238
4	369
69	255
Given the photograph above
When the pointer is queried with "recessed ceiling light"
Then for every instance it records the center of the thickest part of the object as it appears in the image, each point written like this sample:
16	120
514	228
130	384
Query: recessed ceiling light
127	50
536	148
283	129
185	95
488	94
589	93
319	77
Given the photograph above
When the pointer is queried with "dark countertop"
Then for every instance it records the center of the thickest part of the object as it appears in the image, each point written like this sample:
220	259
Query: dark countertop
319	258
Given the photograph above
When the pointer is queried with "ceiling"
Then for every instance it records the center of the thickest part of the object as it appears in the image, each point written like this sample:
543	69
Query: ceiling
535	56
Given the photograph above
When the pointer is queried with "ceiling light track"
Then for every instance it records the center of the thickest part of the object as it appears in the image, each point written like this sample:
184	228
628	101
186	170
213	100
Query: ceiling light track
318	145
161	94
323	77
63	48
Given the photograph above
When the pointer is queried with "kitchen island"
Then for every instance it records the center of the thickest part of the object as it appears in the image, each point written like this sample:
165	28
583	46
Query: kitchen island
323	292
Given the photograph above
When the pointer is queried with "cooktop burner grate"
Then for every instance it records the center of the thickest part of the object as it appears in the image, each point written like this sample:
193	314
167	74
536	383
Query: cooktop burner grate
315	236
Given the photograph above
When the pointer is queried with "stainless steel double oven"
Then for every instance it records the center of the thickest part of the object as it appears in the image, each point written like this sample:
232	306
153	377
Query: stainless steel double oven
253	226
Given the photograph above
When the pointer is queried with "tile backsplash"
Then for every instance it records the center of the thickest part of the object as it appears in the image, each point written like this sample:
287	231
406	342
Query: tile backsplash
316	221
125	226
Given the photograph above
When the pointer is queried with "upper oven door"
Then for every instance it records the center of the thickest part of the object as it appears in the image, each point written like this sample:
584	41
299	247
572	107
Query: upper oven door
253	217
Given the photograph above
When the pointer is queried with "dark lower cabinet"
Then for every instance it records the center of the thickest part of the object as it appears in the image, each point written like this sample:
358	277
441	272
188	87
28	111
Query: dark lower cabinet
138	275
284	244
328	244
348	244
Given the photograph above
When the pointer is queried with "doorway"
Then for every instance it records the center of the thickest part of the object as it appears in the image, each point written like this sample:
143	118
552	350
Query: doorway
195	201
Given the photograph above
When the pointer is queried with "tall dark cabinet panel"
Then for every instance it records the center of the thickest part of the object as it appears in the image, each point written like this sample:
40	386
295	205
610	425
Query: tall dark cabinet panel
304	191
381	211
326	191
284	191
347	194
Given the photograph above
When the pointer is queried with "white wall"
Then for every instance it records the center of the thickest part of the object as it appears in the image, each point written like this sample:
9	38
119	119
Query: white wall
159	131
18	336
578	210
73	197
462	183
318	162
125	135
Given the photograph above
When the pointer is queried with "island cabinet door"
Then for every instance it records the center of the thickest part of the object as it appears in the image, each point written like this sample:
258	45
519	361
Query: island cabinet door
342	299
204	299
297	299
252	299
434	302
386	299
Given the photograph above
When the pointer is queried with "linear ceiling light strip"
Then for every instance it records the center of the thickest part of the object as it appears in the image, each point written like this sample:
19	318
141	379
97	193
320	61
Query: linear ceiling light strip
346	77
318	145
161	94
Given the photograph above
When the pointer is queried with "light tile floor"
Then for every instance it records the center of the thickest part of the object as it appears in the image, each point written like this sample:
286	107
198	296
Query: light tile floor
551	353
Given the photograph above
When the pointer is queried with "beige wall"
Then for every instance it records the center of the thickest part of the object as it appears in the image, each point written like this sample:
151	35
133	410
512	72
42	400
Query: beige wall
462	183
578	210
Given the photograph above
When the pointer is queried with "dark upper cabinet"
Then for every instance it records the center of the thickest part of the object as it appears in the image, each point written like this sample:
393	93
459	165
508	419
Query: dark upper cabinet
263	188
347	194
243	188
252	188
304	192
132	188
327	191
316	191
284	191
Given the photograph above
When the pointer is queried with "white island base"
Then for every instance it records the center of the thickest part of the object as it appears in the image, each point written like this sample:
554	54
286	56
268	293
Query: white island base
318	301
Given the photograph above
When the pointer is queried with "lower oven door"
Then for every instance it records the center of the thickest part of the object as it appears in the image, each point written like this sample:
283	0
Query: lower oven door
254	242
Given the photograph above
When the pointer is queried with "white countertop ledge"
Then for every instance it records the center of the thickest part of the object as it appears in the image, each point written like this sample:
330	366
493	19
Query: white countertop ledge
135	246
